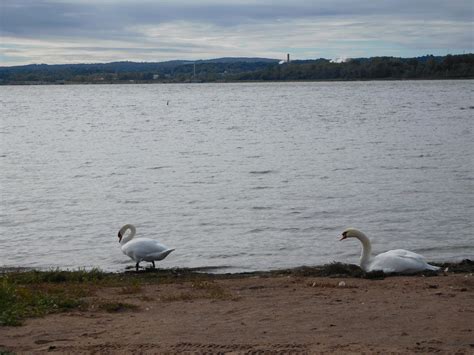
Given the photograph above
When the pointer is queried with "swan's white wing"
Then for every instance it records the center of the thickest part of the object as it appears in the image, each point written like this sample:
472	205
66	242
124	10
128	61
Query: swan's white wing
399	260
145	249
158	256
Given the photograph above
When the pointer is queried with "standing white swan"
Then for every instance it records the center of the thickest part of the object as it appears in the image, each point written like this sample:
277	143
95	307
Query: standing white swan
397	260
141	249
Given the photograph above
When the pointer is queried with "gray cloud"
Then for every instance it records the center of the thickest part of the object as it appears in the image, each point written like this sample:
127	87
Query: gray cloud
150	29
46	17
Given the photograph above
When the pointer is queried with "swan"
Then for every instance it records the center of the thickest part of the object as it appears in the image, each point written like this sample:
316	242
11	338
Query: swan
398	260
141	249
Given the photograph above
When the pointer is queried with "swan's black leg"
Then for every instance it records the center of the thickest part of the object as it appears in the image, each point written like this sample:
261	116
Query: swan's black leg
153	262
137	266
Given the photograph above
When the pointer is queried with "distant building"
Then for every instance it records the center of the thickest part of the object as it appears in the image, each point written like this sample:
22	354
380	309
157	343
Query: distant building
285	61
156	76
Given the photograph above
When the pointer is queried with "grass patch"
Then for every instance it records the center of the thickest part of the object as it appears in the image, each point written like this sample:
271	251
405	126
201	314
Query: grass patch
18	302
328	270
465	265
31	293
35	293
58	276
354	271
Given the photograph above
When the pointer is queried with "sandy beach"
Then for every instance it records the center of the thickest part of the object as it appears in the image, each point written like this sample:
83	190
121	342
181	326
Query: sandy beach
256	314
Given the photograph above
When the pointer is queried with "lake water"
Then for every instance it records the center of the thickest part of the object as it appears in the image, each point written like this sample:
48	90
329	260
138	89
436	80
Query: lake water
246	176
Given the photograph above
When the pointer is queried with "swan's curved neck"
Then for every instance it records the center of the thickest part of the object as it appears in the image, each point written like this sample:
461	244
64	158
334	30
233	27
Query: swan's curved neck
366	250
126	238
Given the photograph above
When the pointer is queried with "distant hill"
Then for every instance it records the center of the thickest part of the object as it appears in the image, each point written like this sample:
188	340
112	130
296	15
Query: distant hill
243	69
238	60
169	71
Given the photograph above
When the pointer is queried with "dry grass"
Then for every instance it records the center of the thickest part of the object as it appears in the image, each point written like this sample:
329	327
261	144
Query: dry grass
201	290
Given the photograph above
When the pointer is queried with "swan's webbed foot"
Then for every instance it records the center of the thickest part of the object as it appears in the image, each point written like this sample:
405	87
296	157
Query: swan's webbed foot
153	263
137	266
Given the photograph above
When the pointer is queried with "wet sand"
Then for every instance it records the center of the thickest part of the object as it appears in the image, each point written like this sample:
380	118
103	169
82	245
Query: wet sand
264	314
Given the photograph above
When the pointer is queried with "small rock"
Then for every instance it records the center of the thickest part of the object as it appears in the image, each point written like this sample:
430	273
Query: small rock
341	284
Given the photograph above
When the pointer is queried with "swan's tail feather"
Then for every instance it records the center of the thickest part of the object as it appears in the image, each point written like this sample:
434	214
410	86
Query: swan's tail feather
162	255
432	267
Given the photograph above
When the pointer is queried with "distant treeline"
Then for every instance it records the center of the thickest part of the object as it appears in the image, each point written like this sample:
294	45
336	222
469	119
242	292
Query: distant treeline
429	67
245	69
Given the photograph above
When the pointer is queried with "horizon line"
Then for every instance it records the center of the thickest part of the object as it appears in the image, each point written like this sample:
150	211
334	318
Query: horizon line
236	58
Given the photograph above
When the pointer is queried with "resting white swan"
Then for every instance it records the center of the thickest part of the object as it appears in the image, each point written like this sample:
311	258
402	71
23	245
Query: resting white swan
398	260
141	249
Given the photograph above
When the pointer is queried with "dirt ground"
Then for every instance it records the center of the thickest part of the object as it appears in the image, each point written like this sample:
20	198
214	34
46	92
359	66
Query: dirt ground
265	315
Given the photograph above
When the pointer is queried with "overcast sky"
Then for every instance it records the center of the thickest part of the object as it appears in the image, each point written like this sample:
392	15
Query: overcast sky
89	31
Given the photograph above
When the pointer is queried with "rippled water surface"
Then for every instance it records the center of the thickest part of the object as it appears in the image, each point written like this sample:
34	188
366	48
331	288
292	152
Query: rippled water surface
243	176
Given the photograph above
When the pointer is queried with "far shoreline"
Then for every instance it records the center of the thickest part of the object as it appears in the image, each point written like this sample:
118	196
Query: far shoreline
136	82
332	269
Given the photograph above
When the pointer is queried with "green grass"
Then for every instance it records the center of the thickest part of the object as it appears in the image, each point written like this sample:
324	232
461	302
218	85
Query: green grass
58	276
18	302
27	294
35	293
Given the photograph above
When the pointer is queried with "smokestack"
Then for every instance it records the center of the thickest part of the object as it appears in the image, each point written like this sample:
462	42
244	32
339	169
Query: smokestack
288	57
